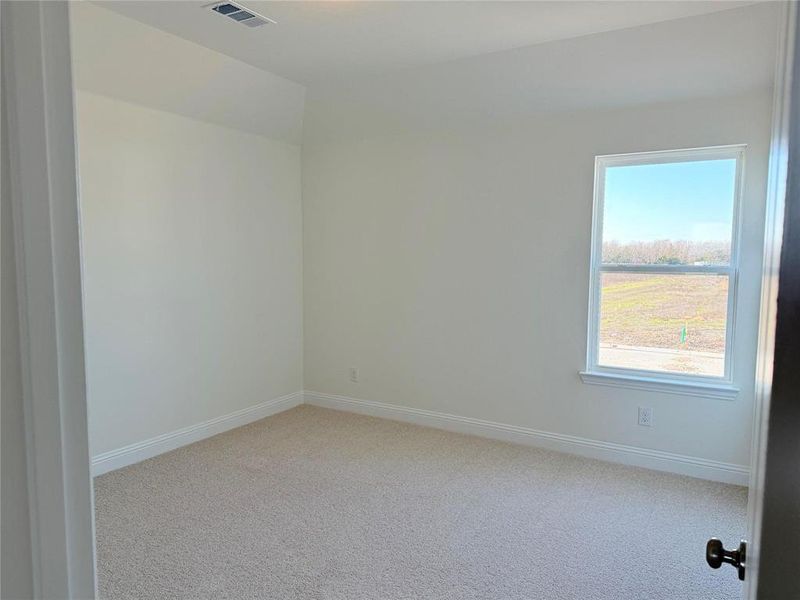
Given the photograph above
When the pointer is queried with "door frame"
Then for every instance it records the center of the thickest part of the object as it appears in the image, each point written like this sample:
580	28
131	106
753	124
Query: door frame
38	83
773	240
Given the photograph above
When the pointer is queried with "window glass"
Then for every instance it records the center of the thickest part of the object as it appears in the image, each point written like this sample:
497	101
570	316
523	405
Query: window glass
664	263
669	213
664	322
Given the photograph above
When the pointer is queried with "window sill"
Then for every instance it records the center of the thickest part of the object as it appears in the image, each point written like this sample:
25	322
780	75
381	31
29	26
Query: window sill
720	391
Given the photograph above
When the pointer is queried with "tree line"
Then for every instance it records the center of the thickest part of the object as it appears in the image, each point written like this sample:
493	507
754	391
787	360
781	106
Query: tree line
667	252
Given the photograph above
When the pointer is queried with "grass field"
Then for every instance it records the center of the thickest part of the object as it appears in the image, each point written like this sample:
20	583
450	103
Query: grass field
652	311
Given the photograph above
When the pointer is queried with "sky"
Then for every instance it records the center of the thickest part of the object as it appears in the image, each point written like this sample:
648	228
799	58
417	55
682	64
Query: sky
677	201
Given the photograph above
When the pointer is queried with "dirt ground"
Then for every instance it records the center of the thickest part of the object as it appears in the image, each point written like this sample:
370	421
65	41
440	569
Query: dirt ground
652	311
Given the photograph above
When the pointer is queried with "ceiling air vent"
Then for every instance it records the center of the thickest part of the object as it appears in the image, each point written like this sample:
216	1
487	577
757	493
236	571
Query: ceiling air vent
239	14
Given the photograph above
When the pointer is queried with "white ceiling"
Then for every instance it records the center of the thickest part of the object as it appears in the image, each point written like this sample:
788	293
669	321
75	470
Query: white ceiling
713	56
315	42
125	59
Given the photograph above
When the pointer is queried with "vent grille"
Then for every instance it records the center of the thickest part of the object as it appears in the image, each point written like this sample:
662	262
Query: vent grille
240	15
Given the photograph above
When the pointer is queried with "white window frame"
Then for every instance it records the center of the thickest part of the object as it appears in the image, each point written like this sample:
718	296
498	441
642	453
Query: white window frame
694	385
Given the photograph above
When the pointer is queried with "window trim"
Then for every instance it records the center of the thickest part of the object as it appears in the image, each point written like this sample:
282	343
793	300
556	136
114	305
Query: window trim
696	385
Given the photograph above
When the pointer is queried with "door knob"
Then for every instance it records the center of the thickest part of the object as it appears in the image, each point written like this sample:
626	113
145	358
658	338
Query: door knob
716	555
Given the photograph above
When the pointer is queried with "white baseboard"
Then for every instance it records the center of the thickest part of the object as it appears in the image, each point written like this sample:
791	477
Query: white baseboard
608	451
618	453
128	455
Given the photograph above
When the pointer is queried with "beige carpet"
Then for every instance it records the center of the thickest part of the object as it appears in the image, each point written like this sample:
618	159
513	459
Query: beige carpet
314	503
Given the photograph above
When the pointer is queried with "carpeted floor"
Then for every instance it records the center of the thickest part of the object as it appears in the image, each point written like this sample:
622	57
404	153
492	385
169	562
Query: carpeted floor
319	504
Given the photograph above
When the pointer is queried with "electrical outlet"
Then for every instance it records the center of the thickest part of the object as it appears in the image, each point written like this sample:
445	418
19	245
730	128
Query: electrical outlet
645	416
354	374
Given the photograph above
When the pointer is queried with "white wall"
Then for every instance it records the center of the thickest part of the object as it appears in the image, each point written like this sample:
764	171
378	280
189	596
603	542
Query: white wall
447	218
192	269
445	243
451	266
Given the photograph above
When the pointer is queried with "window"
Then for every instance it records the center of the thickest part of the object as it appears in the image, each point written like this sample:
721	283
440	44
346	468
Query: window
663	270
